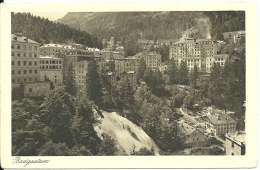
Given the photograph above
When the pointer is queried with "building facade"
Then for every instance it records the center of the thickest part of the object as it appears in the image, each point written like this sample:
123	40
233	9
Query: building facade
201	52
193	136
152	59
25	60
126	65
51	68
220	124
235	144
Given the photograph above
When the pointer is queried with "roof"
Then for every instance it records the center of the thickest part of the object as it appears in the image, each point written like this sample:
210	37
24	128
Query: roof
239	138
21	38
188	129
220	119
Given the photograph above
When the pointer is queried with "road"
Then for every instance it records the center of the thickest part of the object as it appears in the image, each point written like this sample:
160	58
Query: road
189	116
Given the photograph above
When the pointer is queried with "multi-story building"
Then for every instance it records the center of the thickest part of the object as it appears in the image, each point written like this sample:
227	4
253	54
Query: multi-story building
152	59
234	36
235	144
131	76
201	52
51	68
25	60
220	124
126	64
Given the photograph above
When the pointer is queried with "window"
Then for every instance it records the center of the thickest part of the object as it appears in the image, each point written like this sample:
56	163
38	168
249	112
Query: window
12	71
233	154
12	80
18	54
30	63
35	79
55	79
197	139
12	54
19	63
30	89
30	79
24	79
19	72
12	46
35	71
232	144
46	67
35	63
47	62
24	72
24	63
30	71
18	46
35	55
30	48
24	47
12	63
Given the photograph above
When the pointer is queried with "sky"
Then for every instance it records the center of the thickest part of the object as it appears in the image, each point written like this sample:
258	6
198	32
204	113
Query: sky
50	15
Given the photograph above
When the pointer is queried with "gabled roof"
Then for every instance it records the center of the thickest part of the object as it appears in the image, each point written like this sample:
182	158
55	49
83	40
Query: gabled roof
188	129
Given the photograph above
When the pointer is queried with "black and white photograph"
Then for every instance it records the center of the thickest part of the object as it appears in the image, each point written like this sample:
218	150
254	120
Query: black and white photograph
128	83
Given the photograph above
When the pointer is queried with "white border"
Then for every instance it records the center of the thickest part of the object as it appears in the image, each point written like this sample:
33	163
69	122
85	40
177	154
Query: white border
249	160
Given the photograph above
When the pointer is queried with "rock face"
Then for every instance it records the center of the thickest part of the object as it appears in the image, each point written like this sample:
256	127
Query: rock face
125	133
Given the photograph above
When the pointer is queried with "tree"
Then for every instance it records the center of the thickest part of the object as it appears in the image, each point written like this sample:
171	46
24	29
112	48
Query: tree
148	76
70	85
56	112
107	146
54	149
83	124
141	68
194	75
183	73
125	94
172	71
93	82
79	151
143	151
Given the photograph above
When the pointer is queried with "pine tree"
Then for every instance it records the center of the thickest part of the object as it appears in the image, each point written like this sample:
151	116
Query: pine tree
69	82
172	71
183	73
141	68
93	82
194	75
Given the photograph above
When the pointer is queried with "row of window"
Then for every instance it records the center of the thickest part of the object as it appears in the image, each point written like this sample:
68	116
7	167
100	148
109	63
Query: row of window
23	80
25	63
50	62
50	67
24	47
24	72
24	55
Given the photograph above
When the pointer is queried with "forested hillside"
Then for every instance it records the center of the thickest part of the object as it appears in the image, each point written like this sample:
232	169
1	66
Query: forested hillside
44	31
156	25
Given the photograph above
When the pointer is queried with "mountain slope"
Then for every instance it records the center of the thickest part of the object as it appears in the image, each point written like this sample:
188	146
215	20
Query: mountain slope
156	25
